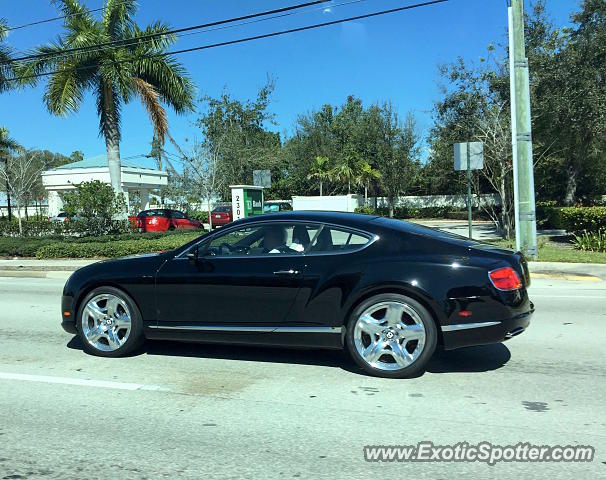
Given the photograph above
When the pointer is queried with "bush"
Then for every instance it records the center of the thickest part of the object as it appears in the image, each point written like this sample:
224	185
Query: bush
366	209
200	215
580	219
591	241
116	248
24	247
546	212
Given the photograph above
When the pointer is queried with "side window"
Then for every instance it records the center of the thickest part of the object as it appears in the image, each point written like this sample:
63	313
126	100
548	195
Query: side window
335	239
178	214
279	238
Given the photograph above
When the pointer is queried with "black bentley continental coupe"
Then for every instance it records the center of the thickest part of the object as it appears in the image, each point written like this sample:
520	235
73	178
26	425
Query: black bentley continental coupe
388	291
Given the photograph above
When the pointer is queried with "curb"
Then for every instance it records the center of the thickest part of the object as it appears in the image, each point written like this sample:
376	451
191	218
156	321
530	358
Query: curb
57	274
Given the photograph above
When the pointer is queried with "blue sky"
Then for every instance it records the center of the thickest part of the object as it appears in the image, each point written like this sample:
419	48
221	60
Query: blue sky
391	57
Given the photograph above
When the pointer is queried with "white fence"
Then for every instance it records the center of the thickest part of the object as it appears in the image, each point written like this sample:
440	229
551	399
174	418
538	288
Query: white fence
424	201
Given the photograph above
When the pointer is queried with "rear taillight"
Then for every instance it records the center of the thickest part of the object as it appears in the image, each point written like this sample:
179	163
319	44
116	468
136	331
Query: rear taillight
505	279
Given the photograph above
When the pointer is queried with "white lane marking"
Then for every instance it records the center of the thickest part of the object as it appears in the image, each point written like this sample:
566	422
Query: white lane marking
81	382
534	295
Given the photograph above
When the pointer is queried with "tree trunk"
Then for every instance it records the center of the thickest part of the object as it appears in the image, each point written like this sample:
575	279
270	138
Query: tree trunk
571	187
366	194
348	187
391	207
112	140
320	187
8	199
19	216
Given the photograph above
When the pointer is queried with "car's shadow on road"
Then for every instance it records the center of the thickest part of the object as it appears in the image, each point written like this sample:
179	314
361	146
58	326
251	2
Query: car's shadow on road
470	359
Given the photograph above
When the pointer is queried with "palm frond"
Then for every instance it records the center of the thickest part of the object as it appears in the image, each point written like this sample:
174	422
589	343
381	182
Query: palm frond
151	100
6	69
170	80
118	18
65	91
76	14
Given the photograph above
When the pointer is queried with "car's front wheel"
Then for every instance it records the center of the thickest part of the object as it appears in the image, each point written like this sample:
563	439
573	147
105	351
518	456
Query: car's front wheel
391	335
109	323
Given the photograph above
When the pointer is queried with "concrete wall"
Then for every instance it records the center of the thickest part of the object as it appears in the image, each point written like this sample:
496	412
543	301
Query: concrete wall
334	203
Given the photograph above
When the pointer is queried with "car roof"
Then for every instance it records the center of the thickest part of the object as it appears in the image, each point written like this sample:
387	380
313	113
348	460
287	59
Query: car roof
341	218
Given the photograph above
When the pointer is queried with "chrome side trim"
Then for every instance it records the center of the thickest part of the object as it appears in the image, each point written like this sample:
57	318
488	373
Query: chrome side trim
247	329
308	330
467	326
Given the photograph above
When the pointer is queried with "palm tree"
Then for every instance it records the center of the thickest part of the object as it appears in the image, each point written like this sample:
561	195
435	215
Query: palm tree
320	171
348	170
8	145
6	68
136	67
367	175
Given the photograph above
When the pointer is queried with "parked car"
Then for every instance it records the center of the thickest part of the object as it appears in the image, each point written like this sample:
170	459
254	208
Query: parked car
274	206
386	290
60	217
163	219
221	216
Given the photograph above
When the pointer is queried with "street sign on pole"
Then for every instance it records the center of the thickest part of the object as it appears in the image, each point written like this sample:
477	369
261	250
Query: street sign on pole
469	156
262	178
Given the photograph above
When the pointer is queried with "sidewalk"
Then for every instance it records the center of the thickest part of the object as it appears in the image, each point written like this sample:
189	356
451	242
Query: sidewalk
63	268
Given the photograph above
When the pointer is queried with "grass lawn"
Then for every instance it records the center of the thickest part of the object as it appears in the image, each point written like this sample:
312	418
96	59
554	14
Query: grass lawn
559	250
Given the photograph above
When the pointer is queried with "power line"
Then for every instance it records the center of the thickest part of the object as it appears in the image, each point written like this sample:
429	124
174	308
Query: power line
54	19
245	39
151	36
95	48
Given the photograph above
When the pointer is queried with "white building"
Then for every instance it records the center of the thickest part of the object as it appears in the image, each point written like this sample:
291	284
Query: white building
137	175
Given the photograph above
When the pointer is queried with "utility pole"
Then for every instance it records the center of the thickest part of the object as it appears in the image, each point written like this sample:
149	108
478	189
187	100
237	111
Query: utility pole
521	130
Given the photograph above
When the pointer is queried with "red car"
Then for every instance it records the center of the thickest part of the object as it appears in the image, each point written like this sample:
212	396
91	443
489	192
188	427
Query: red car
221	215
163	219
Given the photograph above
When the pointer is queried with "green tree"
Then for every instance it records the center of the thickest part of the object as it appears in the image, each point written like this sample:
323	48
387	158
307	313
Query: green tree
368	175
136	67
236	132
21	173
398	152
93	200
8	146
320	171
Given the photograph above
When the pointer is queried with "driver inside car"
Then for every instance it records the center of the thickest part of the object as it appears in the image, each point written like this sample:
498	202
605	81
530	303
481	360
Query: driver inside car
274	240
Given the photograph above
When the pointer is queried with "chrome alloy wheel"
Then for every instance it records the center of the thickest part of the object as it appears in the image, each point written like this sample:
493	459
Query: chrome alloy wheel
389	335
106	322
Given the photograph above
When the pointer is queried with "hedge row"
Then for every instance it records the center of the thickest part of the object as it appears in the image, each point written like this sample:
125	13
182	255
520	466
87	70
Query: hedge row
423	212
81	227
93	247
580	219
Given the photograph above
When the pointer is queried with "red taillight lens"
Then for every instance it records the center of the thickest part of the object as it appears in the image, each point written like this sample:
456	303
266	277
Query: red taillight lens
505	279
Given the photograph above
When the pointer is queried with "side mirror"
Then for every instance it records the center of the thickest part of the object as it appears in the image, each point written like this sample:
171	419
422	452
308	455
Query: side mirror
193	257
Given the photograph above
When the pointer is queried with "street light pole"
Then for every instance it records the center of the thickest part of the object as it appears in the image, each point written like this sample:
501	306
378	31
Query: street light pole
526	227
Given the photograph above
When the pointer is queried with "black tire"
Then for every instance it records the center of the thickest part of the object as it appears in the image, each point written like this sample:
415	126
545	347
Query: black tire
135	337
418	366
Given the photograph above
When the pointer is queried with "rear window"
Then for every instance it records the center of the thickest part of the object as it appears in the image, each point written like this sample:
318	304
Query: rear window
154	213
222	209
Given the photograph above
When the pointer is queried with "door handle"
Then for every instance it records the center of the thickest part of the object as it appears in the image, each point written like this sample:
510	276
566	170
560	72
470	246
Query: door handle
290	272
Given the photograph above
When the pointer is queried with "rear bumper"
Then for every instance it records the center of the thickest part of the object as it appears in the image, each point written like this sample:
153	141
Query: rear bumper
465	335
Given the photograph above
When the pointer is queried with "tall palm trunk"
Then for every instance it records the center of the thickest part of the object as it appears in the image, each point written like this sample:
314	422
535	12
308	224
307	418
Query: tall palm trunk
112	140
320	187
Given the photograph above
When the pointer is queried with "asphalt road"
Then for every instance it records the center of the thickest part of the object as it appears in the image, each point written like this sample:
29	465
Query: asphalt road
196	411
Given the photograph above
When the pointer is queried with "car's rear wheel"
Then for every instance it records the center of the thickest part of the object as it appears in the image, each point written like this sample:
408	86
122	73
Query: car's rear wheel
390	335
109	323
